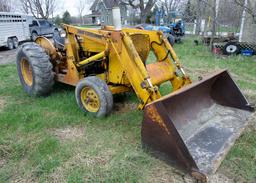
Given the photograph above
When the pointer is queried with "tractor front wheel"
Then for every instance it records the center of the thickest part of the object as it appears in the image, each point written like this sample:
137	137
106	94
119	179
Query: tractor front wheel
93	96
34	70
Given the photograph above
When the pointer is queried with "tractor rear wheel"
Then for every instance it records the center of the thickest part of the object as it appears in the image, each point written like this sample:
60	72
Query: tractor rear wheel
34	70
93	96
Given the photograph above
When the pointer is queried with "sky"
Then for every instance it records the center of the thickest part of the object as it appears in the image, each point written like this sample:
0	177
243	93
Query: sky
71	6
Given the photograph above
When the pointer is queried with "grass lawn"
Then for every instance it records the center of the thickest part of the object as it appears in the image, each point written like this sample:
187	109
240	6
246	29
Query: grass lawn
51	140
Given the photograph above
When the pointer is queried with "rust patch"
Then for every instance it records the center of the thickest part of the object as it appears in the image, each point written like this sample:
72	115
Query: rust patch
152	113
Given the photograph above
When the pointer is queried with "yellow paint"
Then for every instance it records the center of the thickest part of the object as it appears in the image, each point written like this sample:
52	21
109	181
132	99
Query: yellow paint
92	58
123	55
26	72
47	45
90	99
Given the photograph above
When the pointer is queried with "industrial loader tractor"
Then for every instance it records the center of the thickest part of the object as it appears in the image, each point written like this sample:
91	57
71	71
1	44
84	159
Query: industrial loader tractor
195	124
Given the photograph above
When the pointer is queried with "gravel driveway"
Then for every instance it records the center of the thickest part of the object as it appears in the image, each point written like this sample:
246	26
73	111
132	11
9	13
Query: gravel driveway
7	56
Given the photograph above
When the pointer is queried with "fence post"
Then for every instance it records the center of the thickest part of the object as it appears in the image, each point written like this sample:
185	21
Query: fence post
194	29
242	22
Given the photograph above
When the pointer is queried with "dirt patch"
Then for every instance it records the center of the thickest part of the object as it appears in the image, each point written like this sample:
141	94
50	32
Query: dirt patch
7	56
2	162
250	95
177	176
198	72
2	104
252	123
80	159
124	107
219	177
69	133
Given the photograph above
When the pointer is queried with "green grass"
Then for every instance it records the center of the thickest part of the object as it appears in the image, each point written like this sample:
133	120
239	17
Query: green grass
34	146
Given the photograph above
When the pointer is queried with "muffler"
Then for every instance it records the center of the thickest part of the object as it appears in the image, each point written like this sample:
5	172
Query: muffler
197	125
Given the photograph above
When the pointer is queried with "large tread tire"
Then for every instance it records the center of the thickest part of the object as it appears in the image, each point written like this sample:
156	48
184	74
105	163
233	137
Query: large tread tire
39	63
104	87
92	83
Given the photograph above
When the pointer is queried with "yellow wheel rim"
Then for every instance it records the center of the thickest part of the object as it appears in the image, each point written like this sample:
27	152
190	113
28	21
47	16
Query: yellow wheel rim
26	72
90	99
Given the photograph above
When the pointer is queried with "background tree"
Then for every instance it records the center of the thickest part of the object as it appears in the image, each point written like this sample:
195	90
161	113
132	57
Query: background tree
57	20
81	5
189	14
173	6
66	18
39	8
144	6
248	23
5	5
249	7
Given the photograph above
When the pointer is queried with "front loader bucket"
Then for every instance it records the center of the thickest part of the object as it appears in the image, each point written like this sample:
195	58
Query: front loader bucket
197	125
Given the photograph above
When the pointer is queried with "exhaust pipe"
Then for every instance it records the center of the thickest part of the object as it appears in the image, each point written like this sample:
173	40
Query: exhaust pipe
117	18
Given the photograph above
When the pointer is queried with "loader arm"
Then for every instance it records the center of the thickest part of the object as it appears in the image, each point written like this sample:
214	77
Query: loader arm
140	75
135	70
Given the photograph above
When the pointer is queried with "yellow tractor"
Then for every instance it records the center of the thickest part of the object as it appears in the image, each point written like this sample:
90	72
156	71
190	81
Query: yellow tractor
195	125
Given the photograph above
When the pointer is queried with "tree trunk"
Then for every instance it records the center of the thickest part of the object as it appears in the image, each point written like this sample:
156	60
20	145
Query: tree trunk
249	30
198	17
143	18
213	23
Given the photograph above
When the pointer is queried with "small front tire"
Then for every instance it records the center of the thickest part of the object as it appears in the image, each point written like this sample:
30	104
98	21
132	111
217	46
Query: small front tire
91	97
104	87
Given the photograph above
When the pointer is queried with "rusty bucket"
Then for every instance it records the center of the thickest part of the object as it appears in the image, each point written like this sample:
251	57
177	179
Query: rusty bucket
197	125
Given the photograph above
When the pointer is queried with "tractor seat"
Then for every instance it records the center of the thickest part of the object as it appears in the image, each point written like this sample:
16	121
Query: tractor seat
59	42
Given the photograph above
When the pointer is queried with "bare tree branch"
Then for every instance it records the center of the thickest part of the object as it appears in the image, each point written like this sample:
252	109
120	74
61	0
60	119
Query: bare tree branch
81	4
39	8
250	9
5	5
143	5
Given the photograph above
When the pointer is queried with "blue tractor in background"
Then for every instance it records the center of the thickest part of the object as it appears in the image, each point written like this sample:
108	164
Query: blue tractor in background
178	27
168	32
174	29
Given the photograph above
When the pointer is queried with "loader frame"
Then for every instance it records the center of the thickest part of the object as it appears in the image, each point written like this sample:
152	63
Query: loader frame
124	58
